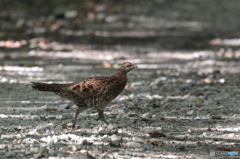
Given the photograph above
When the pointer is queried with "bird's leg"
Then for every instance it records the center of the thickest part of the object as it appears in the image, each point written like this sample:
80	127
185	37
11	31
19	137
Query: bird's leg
76	115
101	116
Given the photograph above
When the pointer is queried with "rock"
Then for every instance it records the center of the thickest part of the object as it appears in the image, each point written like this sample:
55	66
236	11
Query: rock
10	154
115	137
33	132
184	87
114	143
190	112
70	14
58	128
84	124
85	142
196	93
74	148
43	152
59	144
44	125
218	117
197	101
66	116
148	146
98	143
64	106
125	122
134	144
30	141
104	132
146	116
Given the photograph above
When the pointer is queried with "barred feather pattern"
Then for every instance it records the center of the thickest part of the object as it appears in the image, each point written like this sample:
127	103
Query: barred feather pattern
94	92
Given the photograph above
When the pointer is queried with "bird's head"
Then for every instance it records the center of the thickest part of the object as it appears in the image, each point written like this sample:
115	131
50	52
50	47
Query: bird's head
127	66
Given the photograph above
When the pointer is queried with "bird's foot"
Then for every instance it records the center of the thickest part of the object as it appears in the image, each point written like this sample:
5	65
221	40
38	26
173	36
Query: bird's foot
104	120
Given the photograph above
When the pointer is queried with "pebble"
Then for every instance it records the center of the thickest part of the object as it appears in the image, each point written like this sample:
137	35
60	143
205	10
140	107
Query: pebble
33	132
58	128
115	143
44	125
10	154
115	137
29	141
146	116
190	112
104	132
134	144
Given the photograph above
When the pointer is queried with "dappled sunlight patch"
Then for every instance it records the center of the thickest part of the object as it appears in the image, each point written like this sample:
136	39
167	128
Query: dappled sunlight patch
184	55
18	116
226	42
20	68
86	54
13	44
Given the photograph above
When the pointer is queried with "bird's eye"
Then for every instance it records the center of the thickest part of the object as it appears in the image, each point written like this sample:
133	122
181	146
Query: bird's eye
128	66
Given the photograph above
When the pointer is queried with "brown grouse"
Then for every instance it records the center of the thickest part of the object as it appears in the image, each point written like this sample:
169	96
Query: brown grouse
93	92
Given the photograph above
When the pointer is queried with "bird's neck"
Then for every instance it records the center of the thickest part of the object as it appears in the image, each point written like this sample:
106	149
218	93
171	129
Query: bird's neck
120	73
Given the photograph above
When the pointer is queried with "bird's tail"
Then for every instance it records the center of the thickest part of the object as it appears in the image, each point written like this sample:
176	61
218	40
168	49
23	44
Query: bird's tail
46	87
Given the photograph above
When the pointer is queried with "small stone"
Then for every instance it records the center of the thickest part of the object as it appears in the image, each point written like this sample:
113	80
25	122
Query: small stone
218	117
148	146
104	132
44	125
30	141
70	13
74	148
10	154
33	132
43	151
184	87
98	143
133	144
198	101
59	144
64	106
115	137
190	112
66	116
85	142
114	143
120	131
58	128
196	93
84	124
206	102
125	122
147	116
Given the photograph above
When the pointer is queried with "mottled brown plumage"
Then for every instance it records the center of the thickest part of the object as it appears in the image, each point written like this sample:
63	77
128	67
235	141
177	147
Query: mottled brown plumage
94	92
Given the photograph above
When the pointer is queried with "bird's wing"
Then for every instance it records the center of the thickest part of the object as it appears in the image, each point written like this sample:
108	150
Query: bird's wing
90	87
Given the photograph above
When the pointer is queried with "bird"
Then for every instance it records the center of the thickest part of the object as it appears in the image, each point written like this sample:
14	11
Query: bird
93	92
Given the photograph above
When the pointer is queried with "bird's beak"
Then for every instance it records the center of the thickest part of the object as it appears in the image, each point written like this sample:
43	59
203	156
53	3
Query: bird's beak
135	66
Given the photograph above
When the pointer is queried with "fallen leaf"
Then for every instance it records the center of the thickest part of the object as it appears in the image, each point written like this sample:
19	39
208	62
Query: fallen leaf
216	117
156	143
51	109
43	118
106	65
156	134
114	106
225	149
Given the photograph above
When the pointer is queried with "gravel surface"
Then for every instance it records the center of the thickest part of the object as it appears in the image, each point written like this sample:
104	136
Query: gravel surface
176	105
181	102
